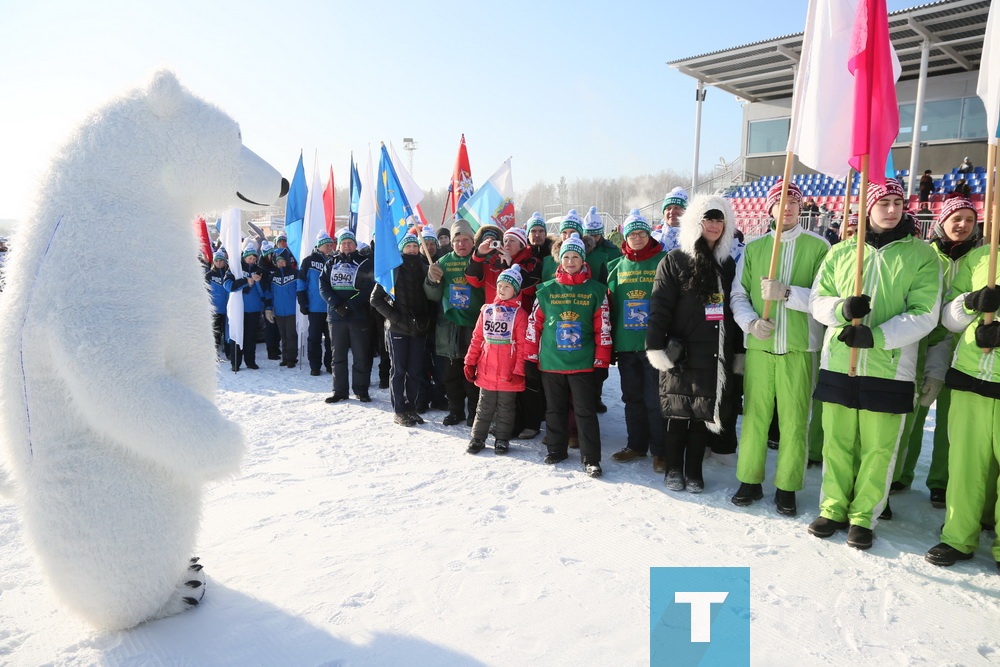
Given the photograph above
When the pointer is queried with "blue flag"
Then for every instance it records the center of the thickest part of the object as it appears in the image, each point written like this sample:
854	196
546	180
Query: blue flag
393	216
295	209
355	195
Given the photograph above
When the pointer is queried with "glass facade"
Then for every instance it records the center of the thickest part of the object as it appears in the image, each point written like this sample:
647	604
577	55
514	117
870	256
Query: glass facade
770	136
962	118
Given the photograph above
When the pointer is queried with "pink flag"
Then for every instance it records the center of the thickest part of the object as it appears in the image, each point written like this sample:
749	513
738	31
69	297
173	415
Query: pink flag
329	209
876	115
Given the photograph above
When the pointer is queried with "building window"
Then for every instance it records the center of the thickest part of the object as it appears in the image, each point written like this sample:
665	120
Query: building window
768	136
943	120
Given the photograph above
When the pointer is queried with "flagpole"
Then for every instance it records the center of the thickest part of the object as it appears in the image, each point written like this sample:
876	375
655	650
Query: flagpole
779	221
988	217
860	258
991	278
847	204
444	211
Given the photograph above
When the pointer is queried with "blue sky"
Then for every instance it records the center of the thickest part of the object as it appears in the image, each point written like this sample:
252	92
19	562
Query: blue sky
567	88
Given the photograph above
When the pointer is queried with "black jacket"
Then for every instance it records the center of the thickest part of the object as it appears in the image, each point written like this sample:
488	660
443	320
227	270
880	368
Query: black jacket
410	313
690	390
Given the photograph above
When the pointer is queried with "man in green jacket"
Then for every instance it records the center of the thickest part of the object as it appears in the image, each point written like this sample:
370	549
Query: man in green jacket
780	351
863	413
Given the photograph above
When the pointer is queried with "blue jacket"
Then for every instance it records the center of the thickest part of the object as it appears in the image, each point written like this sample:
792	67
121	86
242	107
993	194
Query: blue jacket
220	284
347	280
308	285
255	295
284	285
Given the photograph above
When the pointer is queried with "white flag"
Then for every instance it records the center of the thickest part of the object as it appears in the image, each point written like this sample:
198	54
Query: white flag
414	195
988	88
366	206
313	223
229	232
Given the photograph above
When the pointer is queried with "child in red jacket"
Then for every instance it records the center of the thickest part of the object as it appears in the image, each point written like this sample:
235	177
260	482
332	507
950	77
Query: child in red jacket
495	362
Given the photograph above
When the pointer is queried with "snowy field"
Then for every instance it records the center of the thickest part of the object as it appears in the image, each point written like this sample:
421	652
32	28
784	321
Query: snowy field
348	540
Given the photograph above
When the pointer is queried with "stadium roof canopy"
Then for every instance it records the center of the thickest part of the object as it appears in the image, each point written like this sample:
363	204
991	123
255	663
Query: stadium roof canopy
766	70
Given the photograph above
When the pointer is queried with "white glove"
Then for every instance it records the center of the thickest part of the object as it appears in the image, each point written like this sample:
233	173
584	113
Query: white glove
435	273
269	314
772	290
761	329
930	390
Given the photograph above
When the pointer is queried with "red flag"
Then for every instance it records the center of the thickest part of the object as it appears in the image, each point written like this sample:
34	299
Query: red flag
201	230
329	207
876	115
461	179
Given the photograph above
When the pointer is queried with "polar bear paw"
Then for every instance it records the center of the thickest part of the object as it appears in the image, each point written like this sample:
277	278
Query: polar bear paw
188	594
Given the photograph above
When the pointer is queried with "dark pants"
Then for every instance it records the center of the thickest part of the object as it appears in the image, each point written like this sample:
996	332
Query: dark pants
378	347
289	339
407	361
498	407
272	339
685	446
640	384
219	331
530	403
351	336
318	343
579	390
458	389
432	388
251	322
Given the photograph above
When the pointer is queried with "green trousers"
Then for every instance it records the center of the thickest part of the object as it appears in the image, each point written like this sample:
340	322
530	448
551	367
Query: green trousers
859	456
972	460
937	476
787	379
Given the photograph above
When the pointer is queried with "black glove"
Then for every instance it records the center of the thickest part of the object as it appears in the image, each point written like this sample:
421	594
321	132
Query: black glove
303	300
303	309
342	310
858	336
985	300
531	371
675	351
856	307
988	335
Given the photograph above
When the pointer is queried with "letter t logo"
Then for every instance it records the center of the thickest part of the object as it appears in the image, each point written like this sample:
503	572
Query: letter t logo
701	611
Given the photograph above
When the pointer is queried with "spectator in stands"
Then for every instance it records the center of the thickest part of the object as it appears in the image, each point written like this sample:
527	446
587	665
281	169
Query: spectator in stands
832	233
966	166
926	186
810	209
962	188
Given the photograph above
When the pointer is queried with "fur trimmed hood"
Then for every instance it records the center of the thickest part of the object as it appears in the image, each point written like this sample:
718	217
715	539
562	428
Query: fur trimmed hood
691	225
589	243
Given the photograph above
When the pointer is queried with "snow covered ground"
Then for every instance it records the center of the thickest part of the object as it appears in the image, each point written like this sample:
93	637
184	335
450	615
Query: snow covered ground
348	540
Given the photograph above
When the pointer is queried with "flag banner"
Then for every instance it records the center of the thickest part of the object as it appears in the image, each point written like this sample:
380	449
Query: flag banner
355	197
230	235
821	104
314	221
295	209
988	88
414	195
330	206
204	242
366	202
493	203
461	187
393	217
875	69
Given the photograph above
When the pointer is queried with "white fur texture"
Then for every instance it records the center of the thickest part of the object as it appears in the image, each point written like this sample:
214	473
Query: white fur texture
107	368
691	225
658	359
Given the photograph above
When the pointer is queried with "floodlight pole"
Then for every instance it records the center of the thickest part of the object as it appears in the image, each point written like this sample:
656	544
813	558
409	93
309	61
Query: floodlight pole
699	97
918	115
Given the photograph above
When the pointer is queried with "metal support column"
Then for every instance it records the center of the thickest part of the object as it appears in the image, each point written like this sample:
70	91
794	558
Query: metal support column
918	117
699	97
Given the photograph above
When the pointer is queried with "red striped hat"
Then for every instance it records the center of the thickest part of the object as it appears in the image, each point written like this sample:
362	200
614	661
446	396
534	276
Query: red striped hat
955	204
877	191
774	196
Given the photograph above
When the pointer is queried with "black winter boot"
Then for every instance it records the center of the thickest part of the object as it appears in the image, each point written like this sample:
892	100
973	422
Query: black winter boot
500	447
746	494
475	446
785	501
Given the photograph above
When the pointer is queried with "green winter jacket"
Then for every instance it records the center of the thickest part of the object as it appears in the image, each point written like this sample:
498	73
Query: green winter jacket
630	283
801	254
599	258
976	372
903	279
460	304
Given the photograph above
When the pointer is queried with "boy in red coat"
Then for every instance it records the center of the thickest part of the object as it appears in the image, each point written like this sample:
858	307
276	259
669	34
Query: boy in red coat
495	362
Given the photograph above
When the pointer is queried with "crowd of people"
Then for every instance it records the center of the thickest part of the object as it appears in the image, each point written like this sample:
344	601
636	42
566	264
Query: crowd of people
507	329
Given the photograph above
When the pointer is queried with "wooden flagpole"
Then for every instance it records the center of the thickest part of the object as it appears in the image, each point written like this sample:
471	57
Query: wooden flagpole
988	217
860	259
778	222
847	204
993	181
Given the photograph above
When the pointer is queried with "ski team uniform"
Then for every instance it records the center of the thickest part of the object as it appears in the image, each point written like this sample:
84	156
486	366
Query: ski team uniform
780	368
569	335
630	284
284	287
863	416
312	305
974	380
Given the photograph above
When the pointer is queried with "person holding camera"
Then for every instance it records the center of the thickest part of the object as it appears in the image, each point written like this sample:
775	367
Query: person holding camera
497	251
346	283
253	303
409	318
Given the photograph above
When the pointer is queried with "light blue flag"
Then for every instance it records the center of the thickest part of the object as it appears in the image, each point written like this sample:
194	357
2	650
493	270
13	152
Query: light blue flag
393	216
295	209
355	195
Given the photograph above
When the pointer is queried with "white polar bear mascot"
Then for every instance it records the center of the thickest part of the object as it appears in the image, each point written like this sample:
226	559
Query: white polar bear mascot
108	419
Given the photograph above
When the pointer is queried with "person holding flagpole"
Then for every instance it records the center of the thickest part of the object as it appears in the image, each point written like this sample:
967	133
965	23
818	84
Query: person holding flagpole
780	351
311	304
863	413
